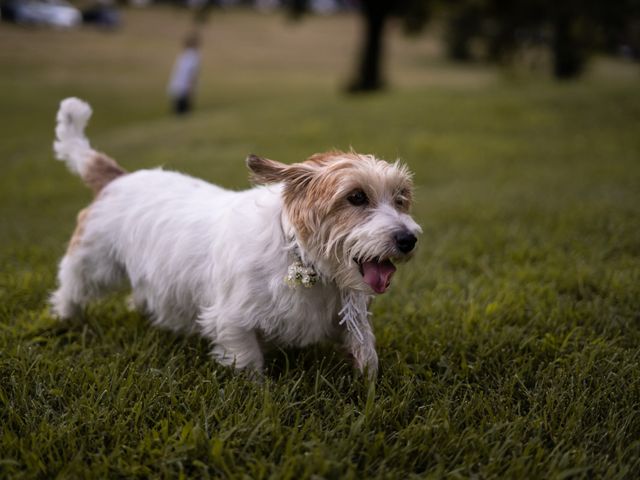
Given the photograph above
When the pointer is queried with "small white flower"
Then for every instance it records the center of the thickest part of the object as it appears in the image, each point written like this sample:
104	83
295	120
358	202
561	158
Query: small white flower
298	274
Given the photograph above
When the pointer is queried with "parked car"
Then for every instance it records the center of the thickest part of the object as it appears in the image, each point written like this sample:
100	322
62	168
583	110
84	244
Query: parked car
56	13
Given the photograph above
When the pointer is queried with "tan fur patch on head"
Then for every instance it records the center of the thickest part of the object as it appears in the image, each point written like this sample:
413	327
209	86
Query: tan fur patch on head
319	206
101	171
317	201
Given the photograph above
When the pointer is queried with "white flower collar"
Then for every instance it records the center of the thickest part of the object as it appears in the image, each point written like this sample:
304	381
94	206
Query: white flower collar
354	312
299	274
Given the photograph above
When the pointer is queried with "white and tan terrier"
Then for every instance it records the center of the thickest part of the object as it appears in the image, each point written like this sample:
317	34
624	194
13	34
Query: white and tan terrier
293	261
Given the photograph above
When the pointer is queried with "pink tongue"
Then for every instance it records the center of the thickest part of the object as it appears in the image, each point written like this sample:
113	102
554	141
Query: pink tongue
378	274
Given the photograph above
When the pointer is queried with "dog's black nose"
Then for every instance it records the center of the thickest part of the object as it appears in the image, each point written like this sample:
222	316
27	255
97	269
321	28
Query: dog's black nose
405	241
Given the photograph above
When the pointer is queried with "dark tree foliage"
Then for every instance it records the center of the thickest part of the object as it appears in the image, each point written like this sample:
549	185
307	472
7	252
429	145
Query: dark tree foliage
571	28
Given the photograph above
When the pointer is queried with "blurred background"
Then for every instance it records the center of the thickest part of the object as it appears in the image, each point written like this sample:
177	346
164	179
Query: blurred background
492	103
122	54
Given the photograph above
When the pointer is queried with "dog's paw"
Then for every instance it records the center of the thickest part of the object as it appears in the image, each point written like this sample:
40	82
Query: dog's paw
61	307
365	359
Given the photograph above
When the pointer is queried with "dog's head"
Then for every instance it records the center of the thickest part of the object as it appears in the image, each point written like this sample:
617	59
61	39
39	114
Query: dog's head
350	214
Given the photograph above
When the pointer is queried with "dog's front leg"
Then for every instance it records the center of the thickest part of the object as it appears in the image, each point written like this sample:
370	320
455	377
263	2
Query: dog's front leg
362	347
238	347
359	340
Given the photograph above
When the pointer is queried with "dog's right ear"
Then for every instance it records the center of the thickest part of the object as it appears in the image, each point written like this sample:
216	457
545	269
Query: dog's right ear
265	171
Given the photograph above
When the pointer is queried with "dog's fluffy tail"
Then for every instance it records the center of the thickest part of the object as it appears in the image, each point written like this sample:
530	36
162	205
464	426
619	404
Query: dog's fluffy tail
72	146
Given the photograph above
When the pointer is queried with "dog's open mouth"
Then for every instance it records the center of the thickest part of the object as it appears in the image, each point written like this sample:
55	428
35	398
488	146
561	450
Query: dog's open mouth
377	273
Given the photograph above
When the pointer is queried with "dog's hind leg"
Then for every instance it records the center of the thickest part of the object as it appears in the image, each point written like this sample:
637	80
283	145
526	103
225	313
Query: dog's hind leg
86	272
82	278
71	294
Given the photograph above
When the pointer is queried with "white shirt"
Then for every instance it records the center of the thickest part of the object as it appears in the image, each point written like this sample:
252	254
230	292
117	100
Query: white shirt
185	72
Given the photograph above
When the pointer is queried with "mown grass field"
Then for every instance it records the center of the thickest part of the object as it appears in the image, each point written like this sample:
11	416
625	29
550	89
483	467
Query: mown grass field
510	347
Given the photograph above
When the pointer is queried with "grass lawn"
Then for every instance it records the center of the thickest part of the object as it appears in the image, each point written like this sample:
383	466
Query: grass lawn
510	347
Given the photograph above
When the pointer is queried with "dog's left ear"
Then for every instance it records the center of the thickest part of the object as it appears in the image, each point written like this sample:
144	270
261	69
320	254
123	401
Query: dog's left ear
265	171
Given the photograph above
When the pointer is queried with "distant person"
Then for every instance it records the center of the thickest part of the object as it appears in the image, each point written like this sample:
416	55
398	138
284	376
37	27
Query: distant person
184	76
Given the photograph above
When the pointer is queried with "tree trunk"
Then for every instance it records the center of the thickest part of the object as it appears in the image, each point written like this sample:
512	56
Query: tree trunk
462	27
568	54
369	75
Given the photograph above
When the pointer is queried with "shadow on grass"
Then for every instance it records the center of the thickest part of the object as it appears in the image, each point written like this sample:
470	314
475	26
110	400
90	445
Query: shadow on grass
130	332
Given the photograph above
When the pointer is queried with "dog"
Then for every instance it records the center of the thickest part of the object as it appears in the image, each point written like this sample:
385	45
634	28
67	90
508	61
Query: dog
293	261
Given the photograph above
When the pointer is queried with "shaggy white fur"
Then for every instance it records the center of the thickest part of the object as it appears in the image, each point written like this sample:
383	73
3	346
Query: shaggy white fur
204	259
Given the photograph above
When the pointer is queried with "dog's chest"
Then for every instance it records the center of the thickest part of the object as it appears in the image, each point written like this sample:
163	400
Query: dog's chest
303	316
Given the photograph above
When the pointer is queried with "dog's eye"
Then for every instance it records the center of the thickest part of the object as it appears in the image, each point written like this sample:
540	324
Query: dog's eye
358	198
402	200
